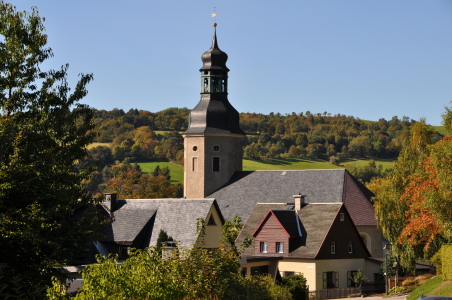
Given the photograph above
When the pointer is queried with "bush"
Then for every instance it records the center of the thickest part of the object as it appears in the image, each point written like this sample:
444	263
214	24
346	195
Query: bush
409	281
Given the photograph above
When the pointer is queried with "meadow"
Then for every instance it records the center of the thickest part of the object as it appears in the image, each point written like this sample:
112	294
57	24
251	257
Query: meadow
177	170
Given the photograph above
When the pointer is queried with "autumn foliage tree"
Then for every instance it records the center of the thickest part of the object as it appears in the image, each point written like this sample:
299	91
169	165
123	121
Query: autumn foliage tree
414	202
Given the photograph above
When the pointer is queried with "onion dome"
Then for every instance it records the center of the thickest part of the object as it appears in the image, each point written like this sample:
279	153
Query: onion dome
214	58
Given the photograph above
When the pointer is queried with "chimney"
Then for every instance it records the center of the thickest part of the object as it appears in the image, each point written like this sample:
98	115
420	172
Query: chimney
299	201
110	201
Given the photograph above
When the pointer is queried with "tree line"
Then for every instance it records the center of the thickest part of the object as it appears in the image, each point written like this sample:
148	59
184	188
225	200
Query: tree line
319	136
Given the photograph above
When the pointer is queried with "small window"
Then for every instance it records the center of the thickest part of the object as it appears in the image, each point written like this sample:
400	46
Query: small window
279	247
216	148
333	247
342	216
215	164
264	247
211	221
195	148
289	273
195	164
124	252
350	247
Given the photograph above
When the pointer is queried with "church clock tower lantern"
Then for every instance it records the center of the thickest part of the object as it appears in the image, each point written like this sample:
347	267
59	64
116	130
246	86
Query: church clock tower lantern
213	140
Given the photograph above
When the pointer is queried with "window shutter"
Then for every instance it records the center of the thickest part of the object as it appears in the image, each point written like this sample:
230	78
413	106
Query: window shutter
336	279
349	278
324	280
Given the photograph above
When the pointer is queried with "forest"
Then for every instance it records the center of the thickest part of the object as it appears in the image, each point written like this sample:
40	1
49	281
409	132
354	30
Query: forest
124	138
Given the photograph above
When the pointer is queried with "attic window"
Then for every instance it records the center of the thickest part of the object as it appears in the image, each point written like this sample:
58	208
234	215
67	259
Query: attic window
195	148
264	247
216	148
333	247
342	216
350	247
279	247
211	221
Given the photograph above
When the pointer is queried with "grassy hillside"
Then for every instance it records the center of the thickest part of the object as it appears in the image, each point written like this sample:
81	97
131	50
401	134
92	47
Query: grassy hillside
387	163
433	287
440	129
176	170
286	164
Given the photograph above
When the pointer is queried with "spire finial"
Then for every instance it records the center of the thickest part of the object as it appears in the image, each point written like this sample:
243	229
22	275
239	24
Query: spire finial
215	16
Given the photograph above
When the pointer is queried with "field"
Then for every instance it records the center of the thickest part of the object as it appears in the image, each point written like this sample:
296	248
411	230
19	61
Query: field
440	129
286	164
176	170
387	163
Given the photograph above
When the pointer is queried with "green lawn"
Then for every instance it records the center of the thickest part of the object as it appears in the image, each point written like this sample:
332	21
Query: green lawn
387	163
176	170
286	164
433	287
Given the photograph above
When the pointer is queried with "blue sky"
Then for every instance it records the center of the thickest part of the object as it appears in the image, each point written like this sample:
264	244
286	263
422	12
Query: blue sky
370	59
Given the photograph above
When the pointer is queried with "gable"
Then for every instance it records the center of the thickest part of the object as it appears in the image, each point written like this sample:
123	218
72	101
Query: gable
270	225
343	234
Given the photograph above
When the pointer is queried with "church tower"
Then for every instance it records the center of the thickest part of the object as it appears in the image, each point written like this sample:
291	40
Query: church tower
213	140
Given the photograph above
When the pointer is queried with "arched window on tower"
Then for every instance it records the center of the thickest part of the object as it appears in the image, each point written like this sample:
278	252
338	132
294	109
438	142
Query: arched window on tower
215	85
206	85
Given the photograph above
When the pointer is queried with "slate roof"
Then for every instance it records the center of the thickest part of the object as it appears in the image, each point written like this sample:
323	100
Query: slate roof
247	188
315	222
176	216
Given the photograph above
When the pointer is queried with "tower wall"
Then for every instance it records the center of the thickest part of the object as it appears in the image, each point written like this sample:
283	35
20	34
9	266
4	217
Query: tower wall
202	177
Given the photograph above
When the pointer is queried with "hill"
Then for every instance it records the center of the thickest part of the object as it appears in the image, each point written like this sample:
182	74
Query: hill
433	287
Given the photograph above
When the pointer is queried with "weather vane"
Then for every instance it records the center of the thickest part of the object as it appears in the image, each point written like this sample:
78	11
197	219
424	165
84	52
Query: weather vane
215	16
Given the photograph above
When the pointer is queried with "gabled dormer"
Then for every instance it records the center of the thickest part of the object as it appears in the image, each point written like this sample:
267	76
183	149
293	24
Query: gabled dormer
277	233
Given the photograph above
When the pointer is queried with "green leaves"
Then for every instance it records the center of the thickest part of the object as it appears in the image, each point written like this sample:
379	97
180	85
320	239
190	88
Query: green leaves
46	218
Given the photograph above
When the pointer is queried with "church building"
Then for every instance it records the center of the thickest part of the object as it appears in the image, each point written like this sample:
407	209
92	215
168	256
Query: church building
213	163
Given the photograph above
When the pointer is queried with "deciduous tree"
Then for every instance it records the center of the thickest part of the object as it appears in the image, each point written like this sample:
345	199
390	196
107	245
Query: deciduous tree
45	215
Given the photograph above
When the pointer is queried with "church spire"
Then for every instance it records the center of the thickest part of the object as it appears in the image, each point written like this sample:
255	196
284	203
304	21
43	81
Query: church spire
213	140
214	113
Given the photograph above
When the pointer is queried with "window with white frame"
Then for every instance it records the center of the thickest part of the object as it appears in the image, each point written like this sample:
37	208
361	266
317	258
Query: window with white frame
264	247
333	247
350	247
279	247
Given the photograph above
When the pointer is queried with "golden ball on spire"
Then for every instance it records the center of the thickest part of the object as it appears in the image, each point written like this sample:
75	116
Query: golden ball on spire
214	24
